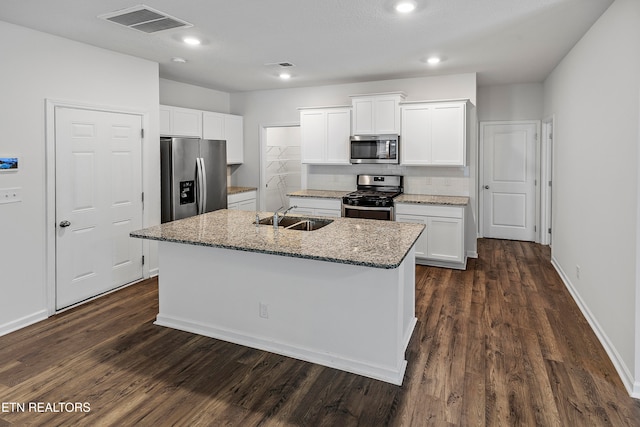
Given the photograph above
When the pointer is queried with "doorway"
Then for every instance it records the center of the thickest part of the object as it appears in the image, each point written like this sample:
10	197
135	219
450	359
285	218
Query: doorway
98	202
280	167
508	176
546	181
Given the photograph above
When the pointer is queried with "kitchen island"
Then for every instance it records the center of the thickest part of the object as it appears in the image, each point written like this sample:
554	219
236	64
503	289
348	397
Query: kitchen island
341	296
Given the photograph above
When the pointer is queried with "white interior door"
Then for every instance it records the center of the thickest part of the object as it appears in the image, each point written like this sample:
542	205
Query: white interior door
508	185
98	202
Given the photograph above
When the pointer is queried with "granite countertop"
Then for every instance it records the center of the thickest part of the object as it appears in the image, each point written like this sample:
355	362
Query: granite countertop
370	243
320	194
432	200
236	190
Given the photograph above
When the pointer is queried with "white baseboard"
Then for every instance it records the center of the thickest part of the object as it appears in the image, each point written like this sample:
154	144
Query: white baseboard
336	361
632	386
23	322
472	254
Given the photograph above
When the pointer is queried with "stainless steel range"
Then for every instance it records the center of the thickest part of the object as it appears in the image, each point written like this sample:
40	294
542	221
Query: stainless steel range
373	198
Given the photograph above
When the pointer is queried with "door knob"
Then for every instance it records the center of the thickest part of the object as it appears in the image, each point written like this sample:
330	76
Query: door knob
486	187
64	224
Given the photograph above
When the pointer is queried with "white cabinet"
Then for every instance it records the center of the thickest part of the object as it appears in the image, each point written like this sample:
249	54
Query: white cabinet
316	206
434	133
245	201
377	114
227	127
442	242
176	121
324	134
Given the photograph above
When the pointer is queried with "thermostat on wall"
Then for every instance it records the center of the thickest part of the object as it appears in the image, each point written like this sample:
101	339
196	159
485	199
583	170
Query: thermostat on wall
8	164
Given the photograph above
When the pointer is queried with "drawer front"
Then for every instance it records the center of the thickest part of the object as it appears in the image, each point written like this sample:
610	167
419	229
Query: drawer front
315	203
430	210
240	197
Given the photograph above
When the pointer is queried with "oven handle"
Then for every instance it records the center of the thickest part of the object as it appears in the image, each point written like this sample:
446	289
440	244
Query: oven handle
367	208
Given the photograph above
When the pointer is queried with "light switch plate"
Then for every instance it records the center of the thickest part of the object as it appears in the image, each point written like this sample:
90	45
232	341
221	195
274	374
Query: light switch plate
10	195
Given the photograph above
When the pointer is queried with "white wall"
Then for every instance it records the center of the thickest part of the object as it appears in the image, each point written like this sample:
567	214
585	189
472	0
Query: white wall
280	107
37	66
189	96
593	94
510	102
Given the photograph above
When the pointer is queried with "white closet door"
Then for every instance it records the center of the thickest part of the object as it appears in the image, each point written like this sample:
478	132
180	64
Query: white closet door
98	202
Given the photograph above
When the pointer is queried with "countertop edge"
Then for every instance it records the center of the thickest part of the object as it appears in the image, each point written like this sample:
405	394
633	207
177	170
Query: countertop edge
288	254
238	190
320	194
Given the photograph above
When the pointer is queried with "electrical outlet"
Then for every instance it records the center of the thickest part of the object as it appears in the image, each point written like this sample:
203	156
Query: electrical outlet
10	195
578	271
264	310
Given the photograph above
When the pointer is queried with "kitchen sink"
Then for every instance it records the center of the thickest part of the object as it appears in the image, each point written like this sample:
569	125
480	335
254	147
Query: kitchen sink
298	223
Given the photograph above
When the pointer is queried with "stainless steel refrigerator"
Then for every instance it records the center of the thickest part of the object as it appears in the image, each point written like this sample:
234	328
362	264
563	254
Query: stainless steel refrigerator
193	177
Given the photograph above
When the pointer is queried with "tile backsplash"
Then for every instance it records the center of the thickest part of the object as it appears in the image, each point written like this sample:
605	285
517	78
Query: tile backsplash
417	180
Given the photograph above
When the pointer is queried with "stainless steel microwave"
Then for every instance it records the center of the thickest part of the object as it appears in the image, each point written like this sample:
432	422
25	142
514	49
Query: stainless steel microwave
375	149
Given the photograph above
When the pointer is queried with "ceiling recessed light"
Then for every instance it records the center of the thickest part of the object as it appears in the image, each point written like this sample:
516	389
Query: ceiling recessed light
285	76
191	41
179	60
406	6
433	60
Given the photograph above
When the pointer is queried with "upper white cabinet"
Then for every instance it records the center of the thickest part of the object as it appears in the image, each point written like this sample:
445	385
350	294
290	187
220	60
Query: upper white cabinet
325	134
377	114
176	121
434	133
227	127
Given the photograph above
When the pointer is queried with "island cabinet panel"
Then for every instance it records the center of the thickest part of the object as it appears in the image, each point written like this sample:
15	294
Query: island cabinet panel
377	114
316	206
325	135
354	318
442	242
434	133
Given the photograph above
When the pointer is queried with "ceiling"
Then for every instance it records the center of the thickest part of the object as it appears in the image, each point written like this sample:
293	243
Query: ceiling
329	41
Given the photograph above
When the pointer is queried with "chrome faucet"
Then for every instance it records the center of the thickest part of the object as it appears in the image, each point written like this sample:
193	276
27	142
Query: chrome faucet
277	218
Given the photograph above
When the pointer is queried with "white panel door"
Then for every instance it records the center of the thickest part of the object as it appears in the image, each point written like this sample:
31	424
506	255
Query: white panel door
338	133
233	134
448	134
313	136
98	202
416	134
509	152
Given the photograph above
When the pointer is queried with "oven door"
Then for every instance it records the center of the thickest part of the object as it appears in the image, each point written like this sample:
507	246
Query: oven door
368	212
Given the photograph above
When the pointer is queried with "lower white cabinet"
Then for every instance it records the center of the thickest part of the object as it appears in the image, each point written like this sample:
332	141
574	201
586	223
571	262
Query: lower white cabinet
245	201
442	242
316	206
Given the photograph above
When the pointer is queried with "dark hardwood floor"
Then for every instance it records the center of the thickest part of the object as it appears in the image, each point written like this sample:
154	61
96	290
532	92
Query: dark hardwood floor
500	344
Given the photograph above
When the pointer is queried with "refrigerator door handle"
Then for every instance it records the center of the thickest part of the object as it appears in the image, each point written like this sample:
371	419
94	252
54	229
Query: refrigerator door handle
199	185
203	176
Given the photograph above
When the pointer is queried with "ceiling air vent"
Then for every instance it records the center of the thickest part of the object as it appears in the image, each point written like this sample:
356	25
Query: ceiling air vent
145	19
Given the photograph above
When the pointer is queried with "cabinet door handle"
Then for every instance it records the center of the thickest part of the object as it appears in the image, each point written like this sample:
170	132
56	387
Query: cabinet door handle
486	187
64	224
